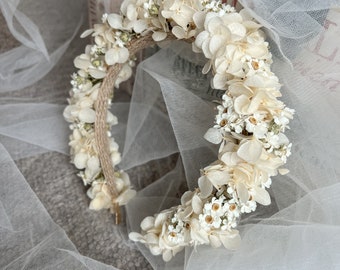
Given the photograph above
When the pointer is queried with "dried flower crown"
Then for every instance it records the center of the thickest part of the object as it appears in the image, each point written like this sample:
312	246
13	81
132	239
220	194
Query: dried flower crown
249	125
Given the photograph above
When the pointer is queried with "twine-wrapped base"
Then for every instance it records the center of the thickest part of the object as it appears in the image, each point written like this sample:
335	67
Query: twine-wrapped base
101	138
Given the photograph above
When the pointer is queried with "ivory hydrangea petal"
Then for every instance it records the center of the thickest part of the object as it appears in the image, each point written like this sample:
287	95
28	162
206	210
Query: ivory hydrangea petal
250	151
199	18
231	241
186	197
220	81
93	163
87	33
147	223
155	250
230	158
238	89
201	38
82	62
160	219
86	102
159	36
137	237
237	30
115	158
152	238
115	21
214	241
96	73
116	55
167	255
80	160
261	196
241	104
111	119
126	196
178	32
218	178
197	204
205	186
131	12
242	192
139	26
87	115
213	136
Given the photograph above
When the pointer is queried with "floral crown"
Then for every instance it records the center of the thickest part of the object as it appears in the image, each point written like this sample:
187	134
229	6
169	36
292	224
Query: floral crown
249	124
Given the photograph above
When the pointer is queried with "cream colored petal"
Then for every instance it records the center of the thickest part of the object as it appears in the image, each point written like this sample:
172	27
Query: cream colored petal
126	196
68	113
242	192
136	237
125	177
230	158
167	255
178	32
261	196
205	187
230	241
87	115
197	204
186	197
96	73
111	119
257	51
131	12
155	250
206	67
241	104
199	18
213	135
237	30
115	158
139	26
250	151
147	223
159	36
116	55
160	219
93	163
197	234
115	21
214	24
86	102
81	63
100	202
218	178
80	160
215	43
220	81
201	37
214	241
86	33
238	89
152	238
283	171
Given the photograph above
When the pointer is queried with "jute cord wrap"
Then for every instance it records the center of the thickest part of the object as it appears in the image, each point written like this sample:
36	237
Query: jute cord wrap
101	137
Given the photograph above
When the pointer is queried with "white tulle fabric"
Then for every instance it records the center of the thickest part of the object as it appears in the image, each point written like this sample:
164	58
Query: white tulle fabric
170	110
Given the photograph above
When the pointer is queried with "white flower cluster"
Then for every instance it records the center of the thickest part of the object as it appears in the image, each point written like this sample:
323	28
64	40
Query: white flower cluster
196	221
249	125
93	64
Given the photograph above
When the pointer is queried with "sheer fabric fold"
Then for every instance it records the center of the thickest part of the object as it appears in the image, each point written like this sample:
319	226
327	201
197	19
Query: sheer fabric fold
171	107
